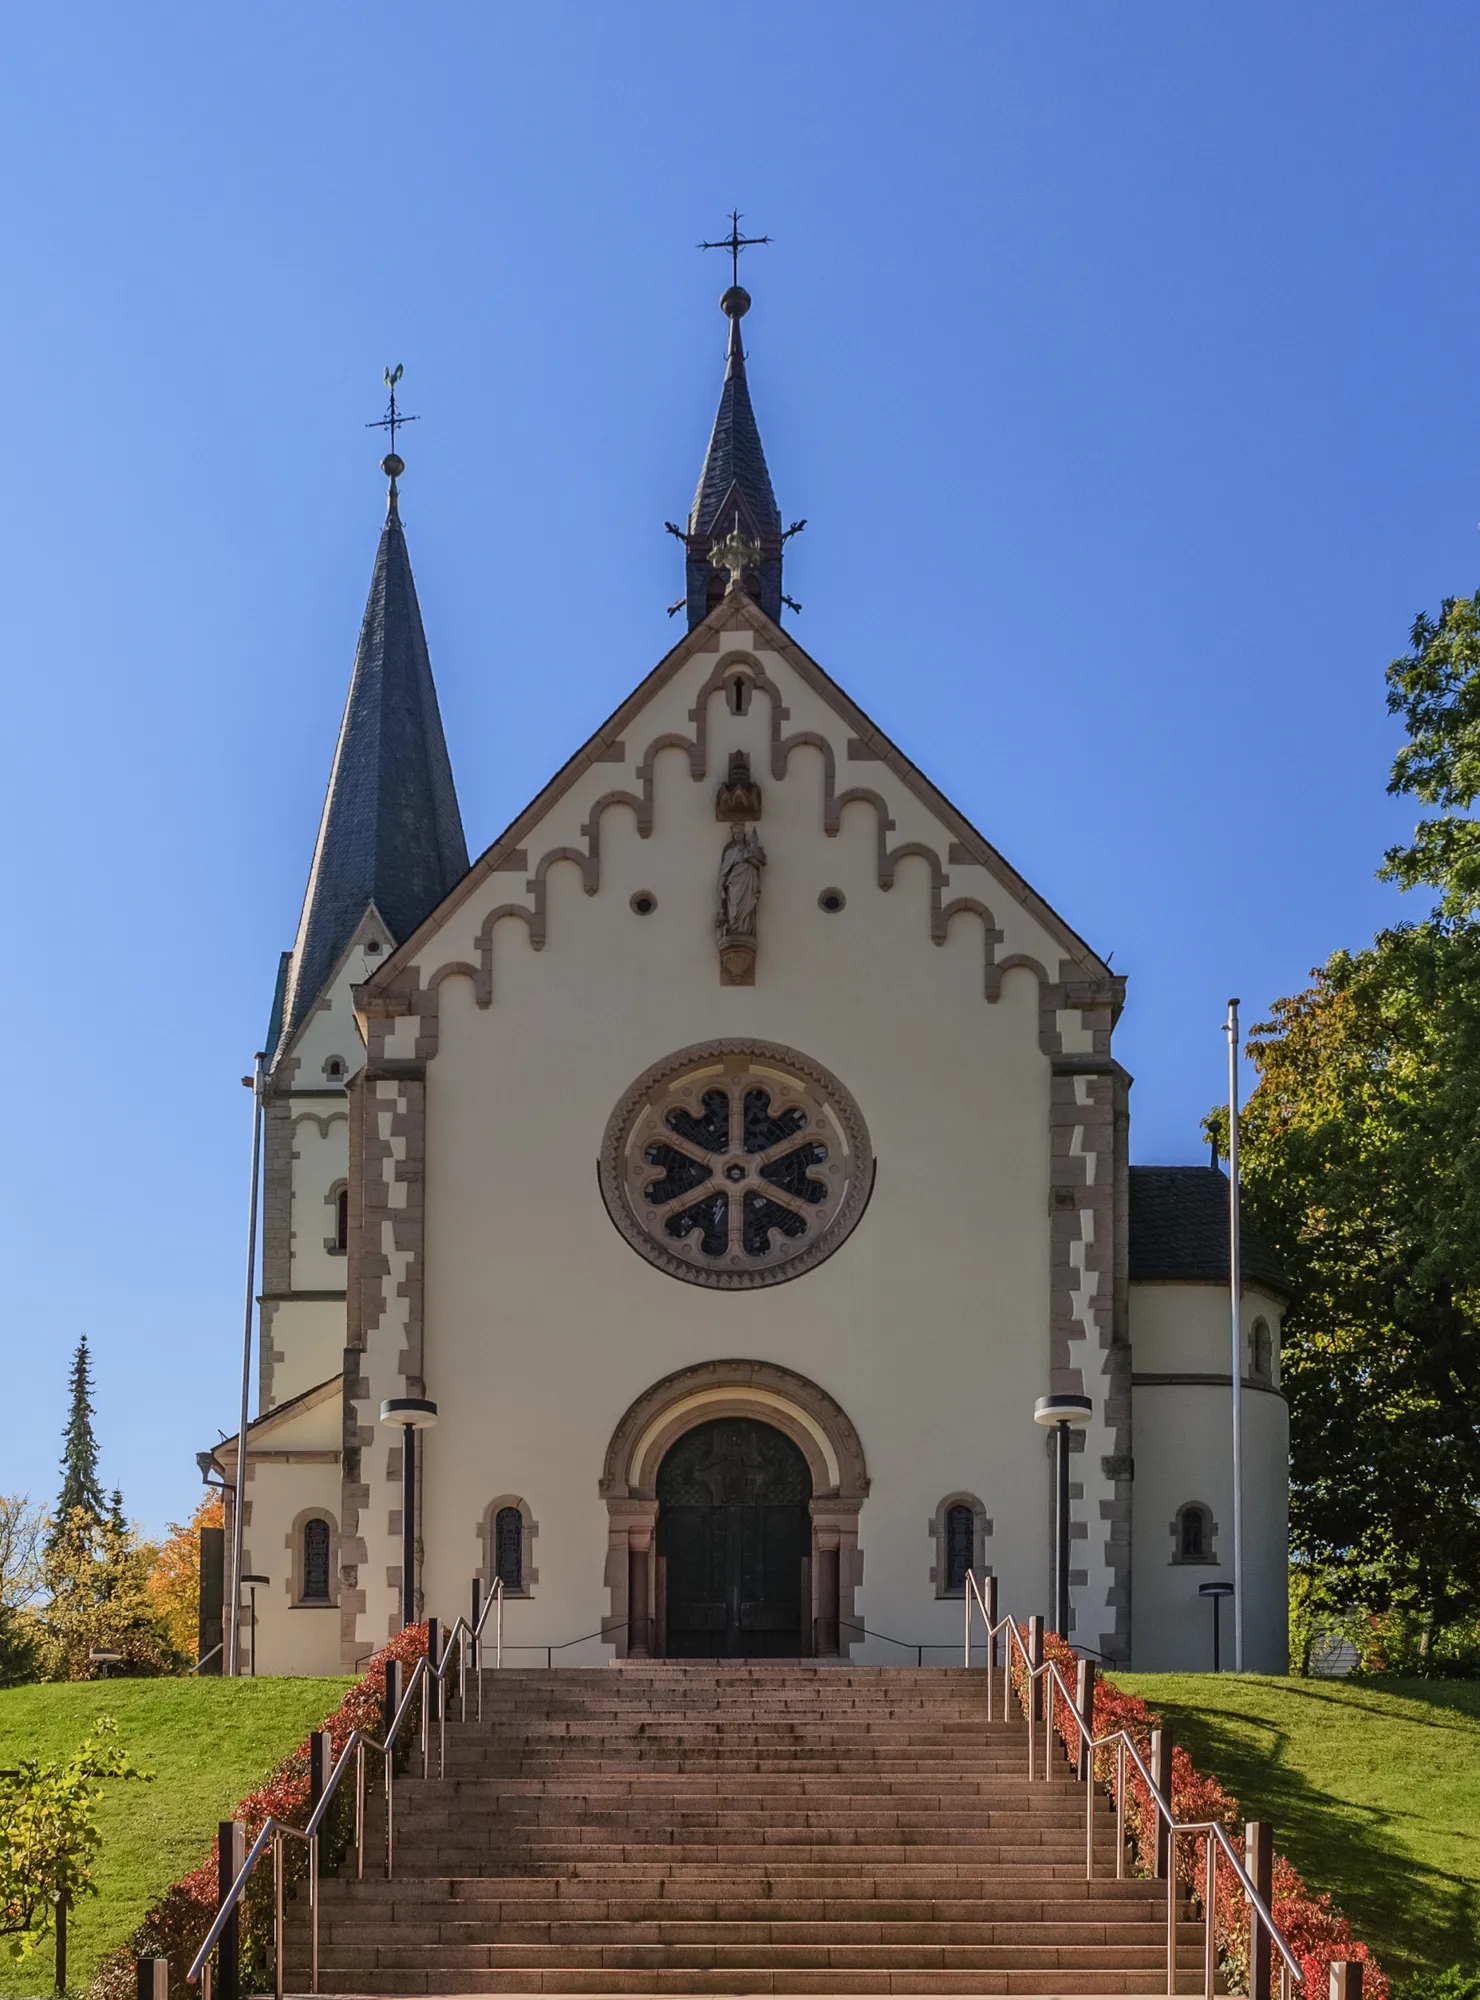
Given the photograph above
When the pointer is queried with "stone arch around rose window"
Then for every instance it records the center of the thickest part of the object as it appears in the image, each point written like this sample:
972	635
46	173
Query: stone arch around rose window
770	1394
487	1531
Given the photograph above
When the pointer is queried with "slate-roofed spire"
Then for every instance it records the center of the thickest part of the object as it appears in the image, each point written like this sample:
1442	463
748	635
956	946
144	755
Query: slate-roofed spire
734	488
391	833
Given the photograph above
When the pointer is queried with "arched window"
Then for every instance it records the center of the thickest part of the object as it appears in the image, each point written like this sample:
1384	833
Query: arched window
1262	1355
960	1546
508	1548
1192	1534
341	1219
316	1562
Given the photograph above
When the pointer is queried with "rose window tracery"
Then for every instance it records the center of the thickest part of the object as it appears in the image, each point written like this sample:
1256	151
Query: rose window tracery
736	1164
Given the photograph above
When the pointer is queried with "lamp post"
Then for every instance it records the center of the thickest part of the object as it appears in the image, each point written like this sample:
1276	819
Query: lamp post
412	1414
1063	1414
252	1582
1217	1592
103	1657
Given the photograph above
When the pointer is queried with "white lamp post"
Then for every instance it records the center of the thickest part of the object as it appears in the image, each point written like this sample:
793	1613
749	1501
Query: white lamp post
1064	1414
413	1414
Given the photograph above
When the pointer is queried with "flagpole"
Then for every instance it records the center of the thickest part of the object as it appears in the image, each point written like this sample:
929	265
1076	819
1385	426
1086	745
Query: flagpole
1235	1290
239	1504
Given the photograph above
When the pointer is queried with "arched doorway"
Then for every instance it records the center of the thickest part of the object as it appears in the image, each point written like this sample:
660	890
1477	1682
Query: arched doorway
734	1542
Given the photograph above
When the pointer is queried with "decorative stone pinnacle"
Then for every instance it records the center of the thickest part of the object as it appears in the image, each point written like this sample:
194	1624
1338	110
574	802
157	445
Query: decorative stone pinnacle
736	553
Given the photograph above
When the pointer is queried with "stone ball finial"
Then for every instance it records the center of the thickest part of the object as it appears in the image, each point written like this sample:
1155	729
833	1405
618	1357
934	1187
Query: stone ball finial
393	465
735	303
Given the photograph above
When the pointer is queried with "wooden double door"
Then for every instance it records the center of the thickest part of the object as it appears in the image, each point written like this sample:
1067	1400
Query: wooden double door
734	1543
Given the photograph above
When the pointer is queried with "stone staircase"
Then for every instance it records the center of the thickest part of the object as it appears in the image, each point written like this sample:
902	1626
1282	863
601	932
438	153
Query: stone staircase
710	1828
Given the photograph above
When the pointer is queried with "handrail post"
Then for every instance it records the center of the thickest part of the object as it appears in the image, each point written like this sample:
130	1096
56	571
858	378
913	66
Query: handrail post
231	1854
360	1812
1084	1701
1161	1777
392	1705
1035	1661
1210	1934
320	1766
1346	1979
277	1913
498	1622
153	1975
1171	1905
966	1610
1259	1861
313	1909
991	1597
1120	1808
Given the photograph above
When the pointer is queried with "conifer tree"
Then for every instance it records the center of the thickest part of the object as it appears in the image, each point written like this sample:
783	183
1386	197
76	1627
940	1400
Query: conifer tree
80	1488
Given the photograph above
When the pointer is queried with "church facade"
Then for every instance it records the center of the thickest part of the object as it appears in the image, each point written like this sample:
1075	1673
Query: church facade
726	1160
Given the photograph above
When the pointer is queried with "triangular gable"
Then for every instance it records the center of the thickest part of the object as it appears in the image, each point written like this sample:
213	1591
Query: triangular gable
735	611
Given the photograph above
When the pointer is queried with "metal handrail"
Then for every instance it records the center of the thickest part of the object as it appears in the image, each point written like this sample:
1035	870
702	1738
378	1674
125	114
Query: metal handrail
206	1658
919	1647
276	1830
1125	1748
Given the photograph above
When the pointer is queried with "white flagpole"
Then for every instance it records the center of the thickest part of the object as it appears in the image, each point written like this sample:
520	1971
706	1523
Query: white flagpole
1235	1290
239	1500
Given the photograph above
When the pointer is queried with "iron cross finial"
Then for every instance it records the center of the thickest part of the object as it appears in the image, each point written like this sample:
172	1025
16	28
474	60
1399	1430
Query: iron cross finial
735	243
392	417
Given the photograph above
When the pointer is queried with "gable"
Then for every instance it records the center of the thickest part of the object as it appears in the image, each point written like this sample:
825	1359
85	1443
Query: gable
826	771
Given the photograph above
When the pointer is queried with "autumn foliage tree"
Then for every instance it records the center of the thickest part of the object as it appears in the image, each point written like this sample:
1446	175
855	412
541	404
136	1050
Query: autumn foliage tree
174	1579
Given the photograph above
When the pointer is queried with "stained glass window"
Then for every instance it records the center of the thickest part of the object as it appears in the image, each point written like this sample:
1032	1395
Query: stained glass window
508	1548
960	1541
316	1561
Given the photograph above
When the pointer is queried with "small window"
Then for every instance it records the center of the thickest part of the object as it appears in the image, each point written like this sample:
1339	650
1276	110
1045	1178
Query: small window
341	1219
508	1548
316	1562
1193	1535
960	1537
644	902
831	900
1262	1357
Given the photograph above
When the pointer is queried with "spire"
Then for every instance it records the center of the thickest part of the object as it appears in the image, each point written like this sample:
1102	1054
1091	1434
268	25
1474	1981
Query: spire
391	834
734	493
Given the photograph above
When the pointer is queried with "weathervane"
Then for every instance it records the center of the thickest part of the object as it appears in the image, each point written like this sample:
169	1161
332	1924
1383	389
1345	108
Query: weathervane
392	416
735	243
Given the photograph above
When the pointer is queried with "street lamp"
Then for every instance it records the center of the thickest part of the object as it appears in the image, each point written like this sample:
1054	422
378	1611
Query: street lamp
103	1657
1064	1414
252	1582
413	1414
1217	1591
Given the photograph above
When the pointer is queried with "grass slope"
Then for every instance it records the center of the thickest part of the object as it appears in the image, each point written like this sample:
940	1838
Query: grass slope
1374	1791
207	1741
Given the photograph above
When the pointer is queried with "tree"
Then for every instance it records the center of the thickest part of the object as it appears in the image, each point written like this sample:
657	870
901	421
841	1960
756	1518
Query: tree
174	1580
1361	1148
80	1489
1435	687
49	1836
95	1585
21	1530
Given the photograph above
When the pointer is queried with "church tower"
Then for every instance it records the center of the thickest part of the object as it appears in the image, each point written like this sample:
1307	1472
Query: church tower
390	845
734	494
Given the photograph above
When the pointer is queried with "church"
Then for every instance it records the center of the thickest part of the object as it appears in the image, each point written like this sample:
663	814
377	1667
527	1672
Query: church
674	1215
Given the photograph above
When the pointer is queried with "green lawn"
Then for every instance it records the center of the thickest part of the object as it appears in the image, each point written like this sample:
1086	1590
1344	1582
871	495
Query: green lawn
207	1741
1374	1791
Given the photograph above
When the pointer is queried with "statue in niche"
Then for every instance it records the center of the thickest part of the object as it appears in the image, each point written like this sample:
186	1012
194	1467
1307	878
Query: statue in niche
739	899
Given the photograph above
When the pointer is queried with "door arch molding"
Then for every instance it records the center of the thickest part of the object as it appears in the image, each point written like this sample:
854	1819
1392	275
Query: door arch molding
793	1404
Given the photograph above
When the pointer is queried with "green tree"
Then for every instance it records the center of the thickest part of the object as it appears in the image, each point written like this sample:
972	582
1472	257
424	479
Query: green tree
1361	1148
95	1594
21	1530
80	1489
49	1835
1435	687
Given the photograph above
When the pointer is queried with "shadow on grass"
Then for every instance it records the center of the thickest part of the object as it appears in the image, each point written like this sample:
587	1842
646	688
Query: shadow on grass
1415	1916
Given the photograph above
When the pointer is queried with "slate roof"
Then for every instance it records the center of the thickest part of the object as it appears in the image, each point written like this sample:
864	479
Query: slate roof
734	479
390	833
1179	1231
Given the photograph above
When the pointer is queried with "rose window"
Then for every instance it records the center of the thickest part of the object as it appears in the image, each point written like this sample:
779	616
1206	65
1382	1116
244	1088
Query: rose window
736	1164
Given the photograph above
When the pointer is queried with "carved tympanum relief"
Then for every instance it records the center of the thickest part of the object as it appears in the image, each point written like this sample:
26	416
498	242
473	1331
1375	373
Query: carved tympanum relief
736	1164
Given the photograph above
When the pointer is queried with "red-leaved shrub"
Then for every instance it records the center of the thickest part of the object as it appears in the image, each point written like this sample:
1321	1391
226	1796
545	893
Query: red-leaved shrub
176	1926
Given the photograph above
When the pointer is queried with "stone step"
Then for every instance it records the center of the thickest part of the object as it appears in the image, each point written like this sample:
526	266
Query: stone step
351	1958
346	1932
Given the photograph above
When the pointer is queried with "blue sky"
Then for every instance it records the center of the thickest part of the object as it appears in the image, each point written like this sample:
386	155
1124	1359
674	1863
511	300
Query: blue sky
1122	359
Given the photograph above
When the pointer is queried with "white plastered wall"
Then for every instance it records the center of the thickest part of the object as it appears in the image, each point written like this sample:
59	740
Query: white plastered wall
292	1470
1183	1433
929	1326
